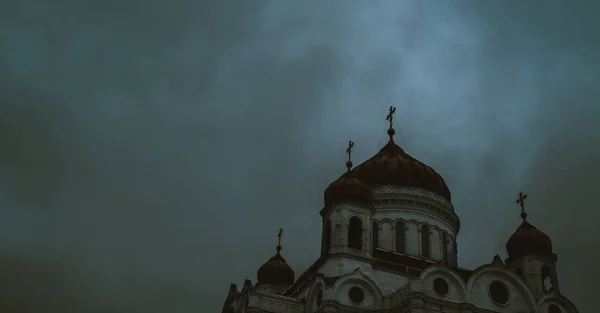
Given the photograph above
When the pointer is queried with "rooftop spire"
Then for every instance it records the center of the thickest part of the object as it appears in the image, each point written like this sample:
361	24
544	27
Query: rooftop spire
279	239
390	118
349	153
521	203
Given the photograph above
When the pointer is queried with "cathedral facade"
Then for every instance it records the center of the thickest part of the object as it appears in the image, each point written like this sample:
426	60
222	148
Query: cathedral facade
389	245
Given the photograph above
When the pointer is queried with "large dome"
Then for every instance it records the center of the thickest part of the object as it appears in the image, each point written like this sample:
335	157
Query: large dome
527	240
392	166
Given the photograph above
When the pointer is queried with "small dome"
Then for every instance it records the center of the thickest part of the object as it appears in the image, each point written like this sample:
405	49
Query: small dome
527	240
392	166
348	188
276	271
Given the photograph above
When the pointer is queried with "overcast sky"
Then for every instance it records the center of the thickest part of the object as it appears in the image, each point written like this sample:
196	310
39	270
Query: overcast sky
150	150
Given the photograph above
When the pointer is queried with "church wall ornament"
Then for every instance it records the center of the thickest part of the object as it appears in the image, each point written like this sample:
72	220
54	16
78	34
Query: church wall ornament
395	191
419	207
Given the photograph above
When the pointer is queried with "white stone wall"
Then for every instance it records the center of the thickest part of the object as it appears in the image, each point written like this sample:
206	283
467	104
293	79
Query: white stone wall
435	237
340	216
532	273
387	282
413	241
399	213
414	217
381	290
386	235
520	297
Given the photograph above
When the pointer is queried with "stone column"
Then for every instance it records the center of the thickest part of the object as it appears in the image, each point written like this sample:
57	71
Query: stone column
394	236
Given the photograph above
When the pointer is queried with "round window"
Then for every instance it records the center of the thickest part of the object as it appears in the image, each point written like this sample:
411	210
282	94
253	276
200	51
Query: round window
499	292
554	309
440	286
356	295
319	298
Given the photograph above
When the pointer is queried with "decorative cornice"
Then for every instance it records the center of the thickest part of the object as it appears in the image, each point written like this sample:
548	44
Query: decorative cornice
418	205
277	297
412	300
550	258
346	204
411	191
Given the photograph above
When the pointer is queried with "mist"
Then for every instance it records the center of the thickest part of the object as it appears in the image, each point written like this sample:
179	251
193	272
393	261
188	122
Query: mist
150	151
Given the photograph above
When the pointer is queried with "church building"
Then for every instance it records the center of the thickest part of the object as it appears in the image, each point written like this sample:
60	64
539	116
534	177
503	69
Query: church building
389	245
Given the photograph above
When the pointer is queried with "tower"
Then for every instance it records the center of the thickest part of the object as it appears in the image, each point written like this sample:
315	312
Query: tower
347	214
414	215
530	255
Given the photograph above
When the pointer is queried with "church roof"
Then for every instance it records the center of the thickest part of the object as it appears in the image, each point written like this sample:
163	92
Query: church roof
276	271
528	240
398	263
349	188
393	166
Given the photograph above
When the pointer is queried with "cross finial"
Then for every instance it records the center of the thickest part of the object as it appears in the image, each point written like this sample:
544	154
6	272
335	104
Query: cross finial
521	202
349	153
279	239
390	118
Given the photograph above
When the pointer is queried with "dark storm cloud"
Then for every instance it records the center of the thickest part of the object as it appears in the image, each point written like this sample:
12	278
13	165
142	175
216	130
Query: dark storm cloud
151	151
539	91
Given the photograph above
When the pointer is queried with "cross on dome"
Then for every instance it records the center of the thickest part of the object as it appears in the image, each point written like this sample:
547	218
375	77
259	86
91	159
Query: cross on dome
521	202
390	118
279	239
349	153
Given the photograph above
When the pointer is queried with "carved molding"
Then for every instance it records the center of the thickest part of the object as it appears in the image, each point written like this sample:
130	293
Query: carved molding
420	206
410	191
277	296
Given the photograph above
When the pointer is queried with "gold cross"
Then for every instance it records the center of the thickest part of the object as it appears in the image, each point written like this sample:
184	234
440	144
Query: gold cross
390	116
521	201
349	150
279	237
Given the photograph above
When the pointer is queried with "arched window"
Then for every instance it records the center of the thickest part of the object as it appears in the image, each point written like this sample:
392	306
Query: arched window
546	280
375	235
355	233
425	241
326	237
400	237
445	248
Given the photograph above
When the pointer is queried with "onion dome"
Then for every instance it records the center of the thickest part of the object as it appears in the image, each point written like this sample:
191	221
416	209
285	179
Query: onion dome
276	271
392	166
528	240
348	188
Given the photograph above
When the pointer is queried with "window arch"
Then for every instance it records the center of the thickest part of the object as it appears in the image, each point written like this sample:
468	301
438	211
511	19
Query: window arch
425	244
445	247
546	279
326	237
375	235
355	233
400	237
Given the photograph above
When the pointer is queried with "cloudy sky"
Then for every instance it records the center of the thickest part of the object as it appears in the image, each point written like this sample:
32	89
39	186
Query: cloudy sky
150	150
